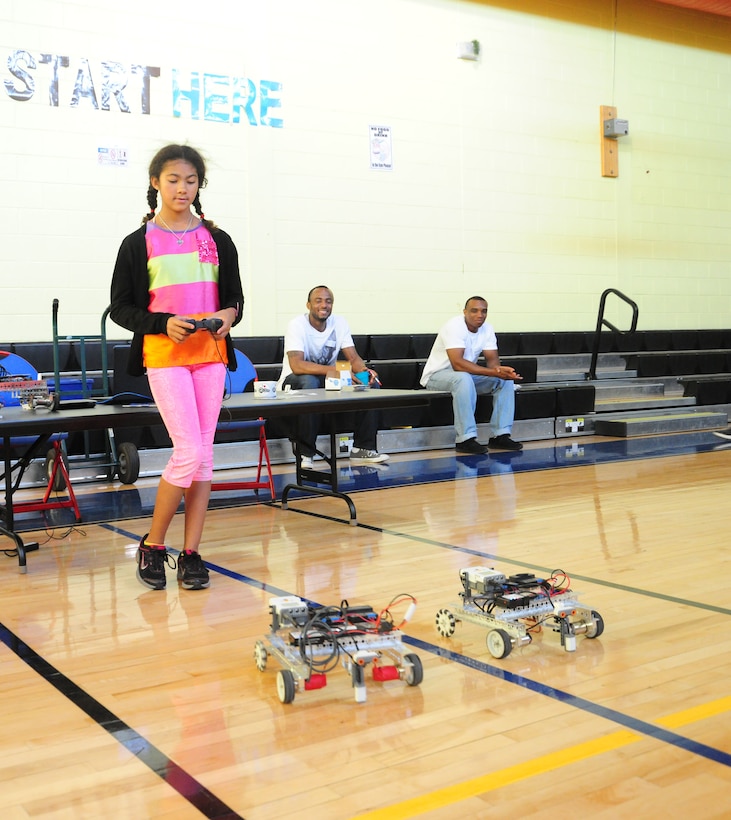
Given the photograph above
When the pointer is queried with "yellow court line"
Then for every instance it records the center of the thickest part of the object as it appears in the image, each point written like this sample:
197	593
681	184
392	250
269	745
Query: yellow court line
696	713
522	771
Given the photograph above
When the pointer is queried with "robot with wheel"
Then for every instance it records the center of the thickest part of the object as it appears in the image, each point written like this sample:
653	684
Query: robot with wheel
513	608
31	394
308	641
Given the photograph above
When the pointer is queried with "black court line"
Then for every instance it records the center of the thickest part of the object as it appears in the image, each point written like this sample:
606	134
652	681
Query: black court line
208	804
211	807
635	725
186	786
660	596
129	503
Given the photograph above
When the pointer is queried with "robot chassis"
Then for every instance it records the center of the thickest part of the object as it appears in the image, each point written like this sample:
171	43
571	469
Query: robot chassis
510	607
304	639
31	394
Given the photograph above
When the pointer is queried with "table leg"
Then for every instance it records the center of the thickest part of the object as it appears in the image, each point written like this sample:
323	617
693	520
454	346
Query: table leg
326	477
8	519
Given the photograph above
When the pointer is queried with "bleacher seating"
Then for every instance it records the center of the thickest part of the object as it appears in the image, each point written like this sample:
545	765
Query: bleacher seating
535	344
699	359
261	349
389	346
421	345
678	363
708	390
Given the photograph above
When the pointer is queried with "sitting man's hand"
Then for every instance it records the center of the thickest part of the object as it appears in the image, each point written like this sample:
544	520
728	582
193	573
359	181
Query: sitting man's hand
508	373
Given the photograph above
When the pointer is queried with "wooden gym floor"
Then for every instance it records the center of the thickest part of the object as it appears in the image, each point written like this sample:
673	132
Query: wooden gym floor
128	703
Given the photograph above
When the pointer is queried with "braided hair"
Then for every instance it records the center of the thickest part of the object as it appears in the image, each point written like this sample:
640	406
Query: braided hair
170	153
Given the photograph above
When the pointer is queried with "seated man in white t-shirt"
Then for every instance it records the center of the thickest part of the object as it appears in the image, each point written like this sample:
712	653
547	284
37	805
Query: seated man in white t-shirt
311	346
452	366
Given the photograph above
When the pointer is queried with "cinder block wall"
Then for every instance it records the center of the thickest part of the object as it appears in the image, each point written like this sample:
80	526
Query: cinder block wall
492	182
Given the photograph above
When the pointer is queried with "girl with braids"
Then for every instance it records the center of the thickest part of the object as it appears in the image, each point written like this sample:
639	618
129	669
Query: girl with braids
177	267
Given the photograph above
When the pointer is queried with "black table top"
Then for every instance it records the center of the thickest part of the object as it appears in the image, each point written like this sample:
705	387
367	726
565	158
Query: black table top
14	421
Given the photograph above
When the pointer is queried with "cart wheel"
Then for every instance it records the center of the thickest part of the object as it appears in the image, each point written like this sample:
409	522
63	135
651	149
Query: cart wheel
285	686
128	463
595	627
59	483
260	656
414	672
499	643
445	622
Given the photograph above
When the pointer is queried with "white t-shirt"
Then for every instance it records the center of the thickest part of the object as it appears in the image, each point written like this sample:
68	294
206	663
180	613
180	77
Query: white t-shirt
321	347
455	334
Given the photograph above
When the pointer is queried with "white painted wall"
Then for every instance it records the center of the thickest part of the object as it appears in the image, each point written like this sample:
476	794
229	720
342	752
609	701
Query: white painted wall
495	188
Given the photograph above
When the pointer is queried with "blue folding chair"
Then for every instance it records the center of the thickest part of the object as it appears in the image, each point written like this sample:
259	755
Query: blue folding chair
23	449
237	382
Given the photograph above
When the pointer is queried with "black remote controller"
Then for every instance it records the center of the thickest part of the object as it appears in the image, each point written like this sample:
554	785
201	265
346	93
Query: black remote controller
213	324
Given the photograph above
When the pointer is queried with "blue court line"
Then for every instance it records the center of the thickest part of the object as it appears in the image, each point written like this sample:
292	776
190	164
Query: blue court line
131	503
633	724
575	455
640	727
209	805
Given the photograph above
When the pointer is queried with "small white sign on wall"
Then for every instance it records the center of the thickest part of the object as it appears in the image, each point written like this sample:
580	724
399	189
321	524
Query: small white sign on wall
111	156
380	147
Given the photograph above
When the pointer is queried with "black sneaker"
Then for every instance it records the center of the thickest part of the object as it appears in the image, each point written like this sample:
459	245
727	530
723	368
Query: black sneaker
471	446
151	565
192	572
504	442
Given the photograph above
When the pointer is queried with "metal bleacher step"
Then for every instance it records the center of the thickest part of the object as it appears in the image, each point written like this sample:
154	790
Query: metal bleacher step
641	401
575	366
628	388
581	361
637	394
647	423
574	375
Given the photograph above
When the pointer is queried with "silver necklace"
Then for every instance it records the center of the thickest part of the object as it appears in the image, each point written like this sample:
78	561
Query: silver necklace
181	236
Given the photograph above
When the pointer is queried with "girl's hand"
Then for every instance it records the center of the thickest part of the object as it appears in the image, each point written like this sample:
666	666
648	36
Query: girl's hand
227	316
179	328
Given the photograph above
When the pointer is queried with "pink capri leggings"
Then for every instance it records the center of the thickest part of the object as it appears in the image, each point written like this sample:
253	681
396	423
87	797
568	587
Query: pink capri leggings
189	401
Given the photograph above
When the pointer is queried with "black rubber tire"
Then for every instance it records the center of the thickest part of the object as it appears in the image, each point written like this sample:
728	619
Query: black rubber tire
598	626
59	482
128	463
415	673
285	686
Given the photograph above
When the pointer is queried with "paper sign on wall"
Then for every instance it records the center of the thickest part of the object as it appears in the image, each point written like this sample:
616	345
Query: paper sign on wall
380	147
111	155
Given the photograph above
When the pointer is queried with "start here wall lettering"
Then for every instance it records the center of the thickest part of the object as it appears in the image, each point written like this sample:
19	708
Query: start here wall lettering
113	85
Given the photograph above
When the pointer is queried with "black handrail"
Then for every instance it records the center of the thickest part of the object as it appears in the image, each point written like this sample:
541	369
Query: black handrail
602	322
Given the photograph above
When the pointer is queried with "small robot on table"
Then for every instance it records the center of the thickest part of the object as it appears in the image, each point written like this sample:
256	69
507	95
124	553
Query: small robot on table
30	394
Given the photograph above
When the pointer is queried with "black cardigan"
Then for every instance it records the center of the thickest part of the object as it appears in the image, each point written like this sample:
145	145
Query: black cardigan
130	293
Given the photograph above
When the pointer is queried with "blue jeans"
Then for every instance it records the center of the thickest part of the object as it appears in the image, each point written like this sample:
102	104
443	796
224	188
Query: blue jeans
464	388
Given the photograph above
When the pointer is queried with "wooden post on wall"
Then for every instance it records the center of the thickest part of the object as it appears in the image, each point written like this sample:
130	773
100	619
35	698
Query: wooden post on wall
610	149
